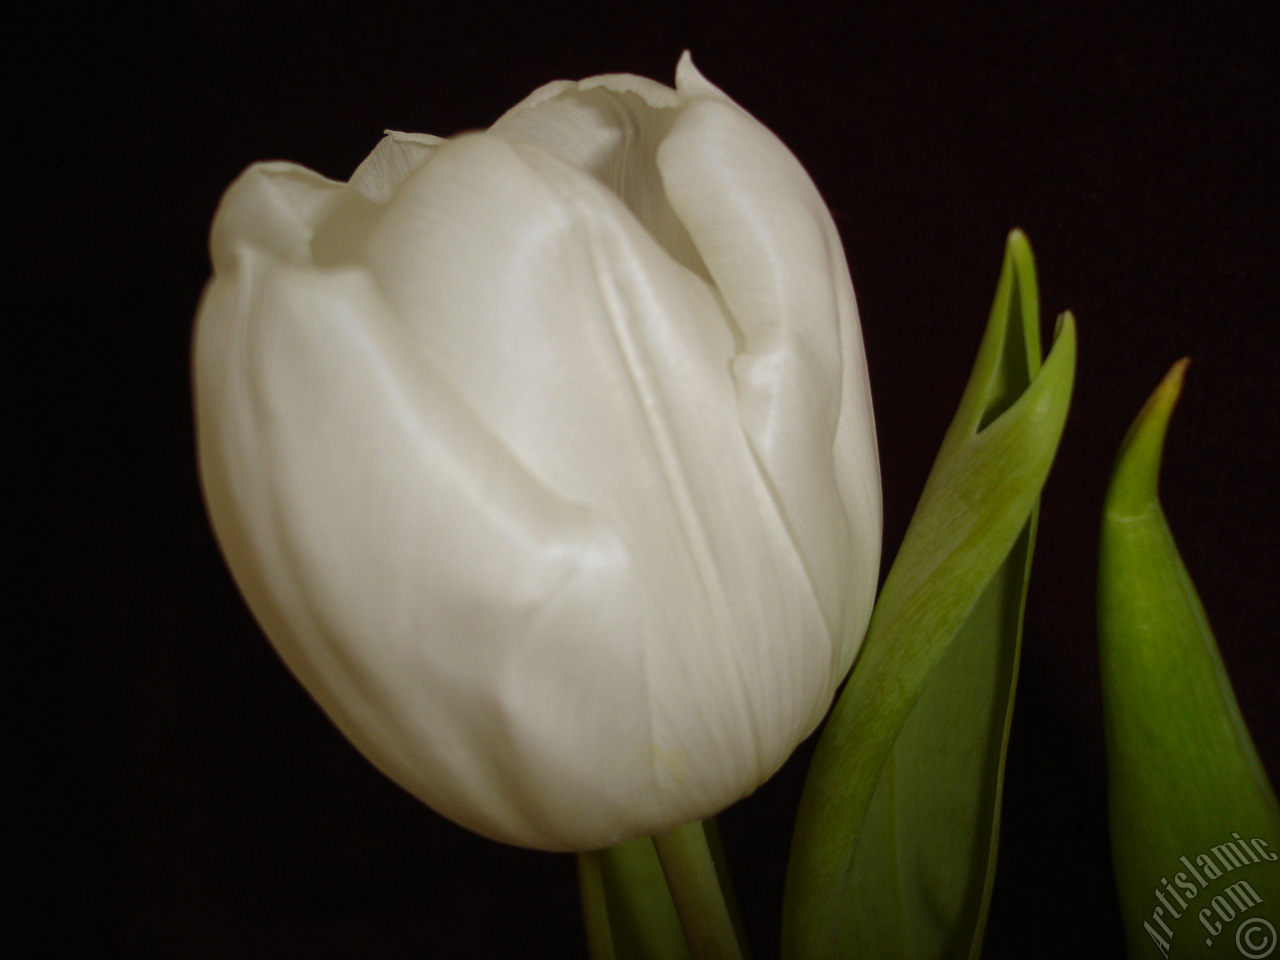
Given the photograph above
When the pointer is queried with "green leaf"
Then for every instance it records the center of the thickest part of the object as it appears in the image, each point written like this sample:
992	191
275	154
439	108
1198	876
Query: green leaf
627	906
924	866
1195	830
895	837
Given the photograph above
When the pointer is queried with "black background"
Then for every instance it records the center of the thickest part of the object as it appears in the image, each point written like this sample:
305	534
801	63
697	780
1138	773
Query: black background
178	795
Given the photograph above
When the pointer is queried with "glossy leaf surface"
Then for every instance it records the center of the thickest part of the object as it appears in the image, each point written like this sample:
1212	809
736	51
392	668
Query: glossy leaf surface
1195	830
895	839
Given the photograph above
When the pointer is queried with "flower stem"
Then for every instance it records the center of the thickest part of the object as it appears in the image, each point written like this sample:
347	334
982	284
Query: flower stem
595	906
695	887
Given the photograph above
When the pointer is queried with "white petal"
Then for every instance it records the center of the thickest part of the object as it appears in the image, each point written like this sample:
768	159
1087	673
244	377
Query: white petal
402	562
774	254
295	213
691	83
395	157
610	126
275	206
604	366
654	93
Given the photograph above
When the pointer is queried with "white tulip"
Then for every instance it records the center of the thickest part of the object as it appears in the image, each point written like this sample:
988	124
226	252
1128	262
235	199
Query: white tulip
544	456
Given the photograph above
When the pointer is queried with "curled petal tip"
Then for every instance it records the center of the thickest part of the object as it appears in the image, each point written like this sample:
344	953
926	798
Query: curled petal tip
691	83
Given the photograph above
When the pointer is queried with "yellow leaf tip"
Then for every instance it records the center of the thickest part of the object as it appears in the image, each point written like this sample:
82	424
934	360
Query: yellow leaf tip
1156	412
1135	481
1174	378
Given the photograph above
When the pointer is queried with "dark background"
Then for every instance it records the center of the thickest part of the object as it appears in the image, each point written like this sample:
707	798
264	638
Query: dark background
178	795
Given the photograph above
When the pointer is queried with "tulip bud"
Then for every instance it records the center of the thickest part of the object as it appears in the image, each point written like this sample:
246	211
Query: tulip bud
544	456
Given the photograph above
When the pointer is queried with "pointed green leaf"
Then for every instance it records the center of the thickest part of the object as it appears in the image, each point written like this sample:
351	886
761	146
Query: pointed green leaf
1195	830
895	837
924	866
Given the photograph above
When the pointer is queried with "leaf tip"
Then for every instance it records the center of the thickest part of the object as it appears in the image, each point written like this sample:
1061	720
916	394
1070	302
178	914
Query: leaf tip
1136	477
1065	323
1017	245
1022	263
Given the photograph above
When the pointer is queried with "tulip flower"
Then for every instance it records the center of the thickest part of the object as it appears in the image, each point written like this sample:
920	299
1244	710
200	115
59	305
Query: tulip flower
544	455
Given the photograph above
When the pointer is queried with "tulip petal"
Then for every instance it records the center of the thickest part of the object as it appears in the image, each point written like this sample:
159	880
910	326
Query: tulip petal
611	126
328	455
276	206
298	215
773	252
529	350
395	157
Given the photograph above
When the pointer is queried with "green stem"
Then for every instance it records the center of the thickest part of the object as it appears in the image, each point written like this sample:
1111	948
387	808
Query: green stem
595	906
695	887
711	826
